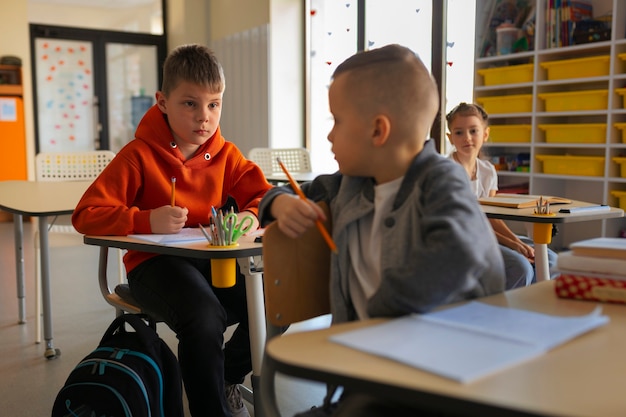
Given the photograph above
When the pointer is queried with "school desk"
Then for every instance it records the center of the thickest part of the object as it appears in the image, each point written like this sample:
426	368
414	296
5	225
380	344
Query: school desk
39	199
201	249
582	378
543	223
280	178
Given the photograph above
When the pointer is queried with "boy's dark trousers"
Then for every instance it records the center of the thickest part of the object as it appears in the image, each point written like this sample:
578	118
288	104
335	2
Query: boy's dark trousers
177	290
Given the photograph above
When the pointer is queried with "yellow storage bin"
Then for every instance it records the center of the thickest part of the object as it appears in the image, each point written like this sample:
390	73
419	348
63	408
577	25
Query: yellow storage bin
575	133
593	66
509	133
622	127
622	92
621	196
513	74
622	56
520	103
622	162
576	100
591	166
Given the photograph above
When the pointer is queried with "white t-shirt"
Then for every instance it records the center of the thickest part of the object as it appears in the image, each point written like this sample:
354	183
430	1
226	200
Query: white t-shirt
364	243
486	178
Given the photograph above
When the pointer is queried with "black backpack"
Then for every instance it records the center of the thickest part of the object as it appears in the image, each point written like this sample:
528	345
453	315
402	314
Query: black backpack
129	374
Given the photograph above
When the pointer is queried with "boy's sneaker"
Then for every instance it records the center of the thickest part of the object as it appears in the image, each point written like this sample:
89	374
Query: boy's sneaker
235	403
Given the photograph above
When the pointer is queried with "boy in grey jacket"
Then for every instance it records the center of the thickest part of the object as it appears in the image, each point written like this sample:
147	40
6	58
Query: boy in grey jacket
410	233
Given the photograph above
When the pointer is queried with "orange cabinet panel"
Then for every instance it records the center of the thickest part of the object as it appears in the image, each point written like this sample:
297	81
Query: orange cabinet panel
12	139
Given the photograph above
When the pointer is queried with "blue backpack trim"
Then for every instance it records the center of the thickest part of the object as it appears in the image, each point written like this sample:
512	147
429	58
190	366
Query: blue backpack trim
127	412
102	364
122	352
136	366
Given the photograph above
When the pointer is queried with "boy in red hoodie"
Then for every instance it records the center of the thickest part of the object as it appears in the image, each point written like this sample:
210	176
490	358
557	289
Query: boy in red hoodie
180	137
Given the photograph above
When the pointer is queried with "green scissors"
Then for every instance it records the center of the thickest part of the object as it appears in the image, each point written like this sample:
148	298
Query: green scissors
235	229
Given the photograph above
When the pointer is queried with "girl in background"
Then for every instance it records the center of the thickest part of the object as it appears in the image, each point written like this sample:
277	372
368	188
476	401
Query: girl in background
468	125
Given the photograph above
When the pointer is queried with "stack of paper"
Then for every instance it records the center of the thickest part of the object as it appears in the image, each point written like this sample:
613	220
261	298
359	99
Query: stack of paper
601	247
471	341
594	269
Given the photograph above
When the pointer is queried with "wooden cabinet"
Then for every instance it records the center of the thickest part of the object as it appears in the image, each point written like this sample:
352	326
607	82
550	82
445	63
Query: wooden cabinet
558	116
10	80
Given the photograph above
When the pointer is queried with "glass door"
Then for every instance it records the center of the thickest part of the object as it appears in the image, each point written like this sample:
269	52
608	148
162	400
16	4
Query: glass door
132	81
91	86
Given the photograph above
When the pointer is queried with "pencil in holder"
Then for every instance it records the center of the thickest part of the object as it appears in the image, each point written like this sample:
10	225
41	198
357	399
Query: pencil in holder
224	271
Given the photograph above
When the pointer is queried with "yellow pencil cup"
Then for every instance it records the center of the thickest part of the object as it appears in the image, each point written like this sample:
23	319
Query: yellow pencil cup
542	232
224	271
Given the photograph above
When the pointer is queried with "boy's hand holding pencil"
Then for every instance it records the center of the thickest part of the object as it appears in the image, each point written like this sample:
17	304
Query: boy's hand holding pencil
168	218
294	217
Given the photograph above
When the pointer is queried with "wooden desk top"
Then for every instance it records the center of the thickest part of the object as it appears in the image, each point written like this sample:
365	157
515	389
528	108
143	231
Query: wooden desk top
527	214
582	378
41	198
199	249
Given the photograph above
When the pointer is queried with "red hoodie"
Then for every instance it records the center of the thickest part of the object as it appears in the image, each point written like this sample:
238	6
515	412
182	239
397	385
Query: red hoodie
138	179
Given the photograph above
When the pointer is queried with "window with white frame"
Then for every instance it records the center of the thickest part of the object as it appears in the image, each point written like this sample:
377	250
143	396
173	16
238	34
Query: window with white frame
333	31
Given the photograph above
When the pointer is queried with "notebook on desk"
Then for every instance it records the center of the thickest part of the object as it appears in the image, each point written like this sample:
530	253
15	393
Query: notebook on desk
521	200
470	341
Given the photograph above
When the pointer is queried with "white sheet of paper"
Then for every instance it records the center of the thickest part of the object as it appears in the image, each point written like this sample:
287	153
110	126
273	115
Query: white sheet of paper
468	342
186	235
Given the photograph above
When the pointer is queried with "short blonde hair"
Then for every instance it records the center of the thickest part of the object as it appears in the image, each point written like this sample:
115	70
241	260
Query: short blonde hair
194	63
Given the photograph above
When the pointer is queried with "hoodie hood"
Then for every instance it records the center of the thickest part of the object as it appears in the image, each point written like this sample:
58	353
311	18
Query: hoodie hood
155	132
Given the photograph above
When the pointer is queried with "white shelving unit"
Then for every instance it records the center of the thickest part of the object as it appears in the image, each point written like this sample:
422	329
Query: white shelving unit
608	177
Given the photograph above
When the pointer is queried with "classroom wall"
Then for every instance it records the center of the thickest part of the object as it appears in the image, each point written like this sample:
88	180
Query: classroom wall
287	74
201	21
280	62
188	22
227	17
138	19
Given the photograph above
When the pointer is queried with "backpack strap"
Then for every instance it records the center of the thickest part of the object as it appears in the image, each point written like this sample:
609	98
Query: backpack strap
145	331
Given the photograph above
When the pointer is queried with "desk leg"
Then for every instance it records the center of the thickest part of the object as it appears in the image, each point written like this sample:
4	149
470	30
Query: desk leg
50	352
257	326
542	236
542	269
18	231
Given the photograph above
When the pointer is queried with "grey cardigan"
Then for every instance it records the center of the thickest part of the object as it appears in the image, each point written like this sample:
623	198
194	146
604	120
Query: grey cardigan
437	248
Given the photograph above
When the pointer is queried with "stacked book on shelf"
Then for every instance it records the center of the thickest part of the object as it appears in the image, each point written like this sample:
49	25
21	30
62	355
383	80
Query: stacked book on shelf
561	19
594	269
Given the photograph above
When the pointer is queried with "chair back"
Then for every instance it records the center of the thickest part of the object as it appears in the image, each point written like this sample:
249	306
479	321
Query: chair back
296	275
295	159
71	166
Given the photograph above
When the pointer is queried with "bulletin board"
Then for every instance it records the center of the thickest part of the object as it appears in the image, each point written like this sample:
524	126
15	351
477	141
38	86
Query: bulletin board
65	95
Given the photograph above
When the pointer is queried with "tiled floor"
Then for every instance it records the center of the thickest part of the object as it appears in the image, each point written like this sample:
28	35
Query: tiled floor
28	381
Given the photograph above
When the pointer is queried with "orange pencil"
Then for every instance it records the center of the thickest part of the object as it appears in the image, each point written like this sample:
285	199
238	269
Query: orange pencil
318	223
173	191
